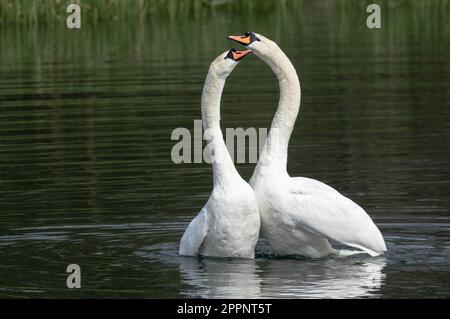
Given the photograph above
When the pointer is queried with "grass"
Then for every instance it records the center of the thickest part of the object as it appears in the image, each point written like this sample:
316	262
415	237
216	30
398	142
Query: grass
53	12
50	12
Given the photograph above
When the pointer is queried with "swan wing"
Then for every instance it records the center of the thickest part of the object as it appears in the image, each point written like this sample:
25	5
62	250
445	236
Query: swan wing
194	235
300	183
323	210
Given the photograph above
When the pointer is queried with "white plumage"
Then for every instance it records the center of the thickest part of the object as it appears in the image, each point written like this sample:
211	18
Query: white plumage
228	225
299	215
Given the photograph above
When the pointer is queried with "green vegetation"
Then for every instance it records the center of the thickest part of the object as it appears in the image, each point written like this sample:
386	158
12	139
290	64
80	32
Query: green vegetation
53	12
48	12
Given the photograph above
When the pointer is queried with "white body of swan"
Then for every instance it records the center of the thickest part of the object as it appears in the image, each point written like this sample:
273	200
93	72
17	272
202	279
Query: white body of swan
228	225
299	215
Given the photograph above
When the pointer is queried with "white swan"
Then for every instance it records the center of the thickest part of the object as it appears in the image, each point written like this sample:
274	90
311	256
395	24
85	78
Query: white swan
228	225
299	215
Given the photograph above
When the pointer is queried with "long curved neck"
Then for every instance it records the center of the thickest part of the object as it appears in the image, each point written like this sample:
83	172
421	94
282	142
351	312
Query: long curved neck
275	150
223	167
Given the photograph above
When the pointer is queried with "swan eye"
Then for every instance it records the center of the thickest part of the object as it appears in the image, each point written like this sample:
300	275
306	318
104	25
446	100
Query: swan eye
230	54
252	36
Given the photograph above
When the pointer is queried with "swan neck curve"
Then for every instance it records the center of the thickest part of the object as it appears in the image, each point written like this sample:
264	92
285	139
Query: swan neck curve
223	166
276	147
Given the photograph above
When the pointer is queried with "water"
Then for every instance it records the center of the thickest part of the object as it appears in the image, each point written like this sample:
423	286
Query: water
86	175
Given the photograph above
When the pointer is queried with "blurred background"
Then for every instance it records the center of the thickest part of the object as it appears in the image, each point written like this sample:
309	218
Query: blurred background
86	175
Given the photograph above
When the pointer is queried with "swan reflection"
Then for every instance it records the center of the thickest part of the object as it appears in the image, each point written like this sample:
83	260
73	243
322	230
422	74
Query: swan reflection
347	275
220	278
339	277
332	278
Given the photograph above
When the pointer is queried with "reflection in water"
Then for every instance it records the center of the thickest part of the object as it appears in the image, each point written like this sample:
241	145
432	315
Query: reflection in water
345	276
219	278
332	278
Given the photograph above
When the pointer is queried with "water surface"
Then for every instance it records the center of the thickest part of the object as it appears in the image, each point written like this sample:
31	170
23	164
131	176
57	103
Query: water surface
86	175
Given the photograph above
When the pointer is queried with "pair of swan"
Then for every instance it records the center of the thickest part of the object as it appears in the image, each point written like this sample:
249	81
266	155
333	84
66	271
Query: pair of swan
296	215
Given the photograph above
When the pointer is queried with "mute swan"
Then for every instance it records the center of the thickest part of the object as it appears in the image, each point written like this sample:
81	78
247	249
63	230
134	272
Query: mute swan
299	215
228	225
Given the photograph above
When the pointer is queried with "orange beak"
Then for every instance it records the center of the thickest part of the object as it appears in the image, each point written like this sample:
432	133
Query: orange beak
242	39
238	55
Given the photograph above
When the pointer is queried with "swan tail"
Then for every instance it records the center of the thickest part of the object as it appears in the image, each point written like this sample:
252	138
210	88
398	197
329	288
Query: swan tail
371	252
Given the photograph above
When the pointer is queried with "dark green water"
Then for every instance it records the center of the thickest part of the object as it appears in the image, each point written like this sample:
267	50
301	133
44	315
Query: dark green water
86	175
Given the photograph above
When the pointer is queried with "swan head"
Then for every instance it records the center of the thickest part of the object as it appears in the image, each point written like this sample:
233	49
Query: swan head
224	64
258	43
